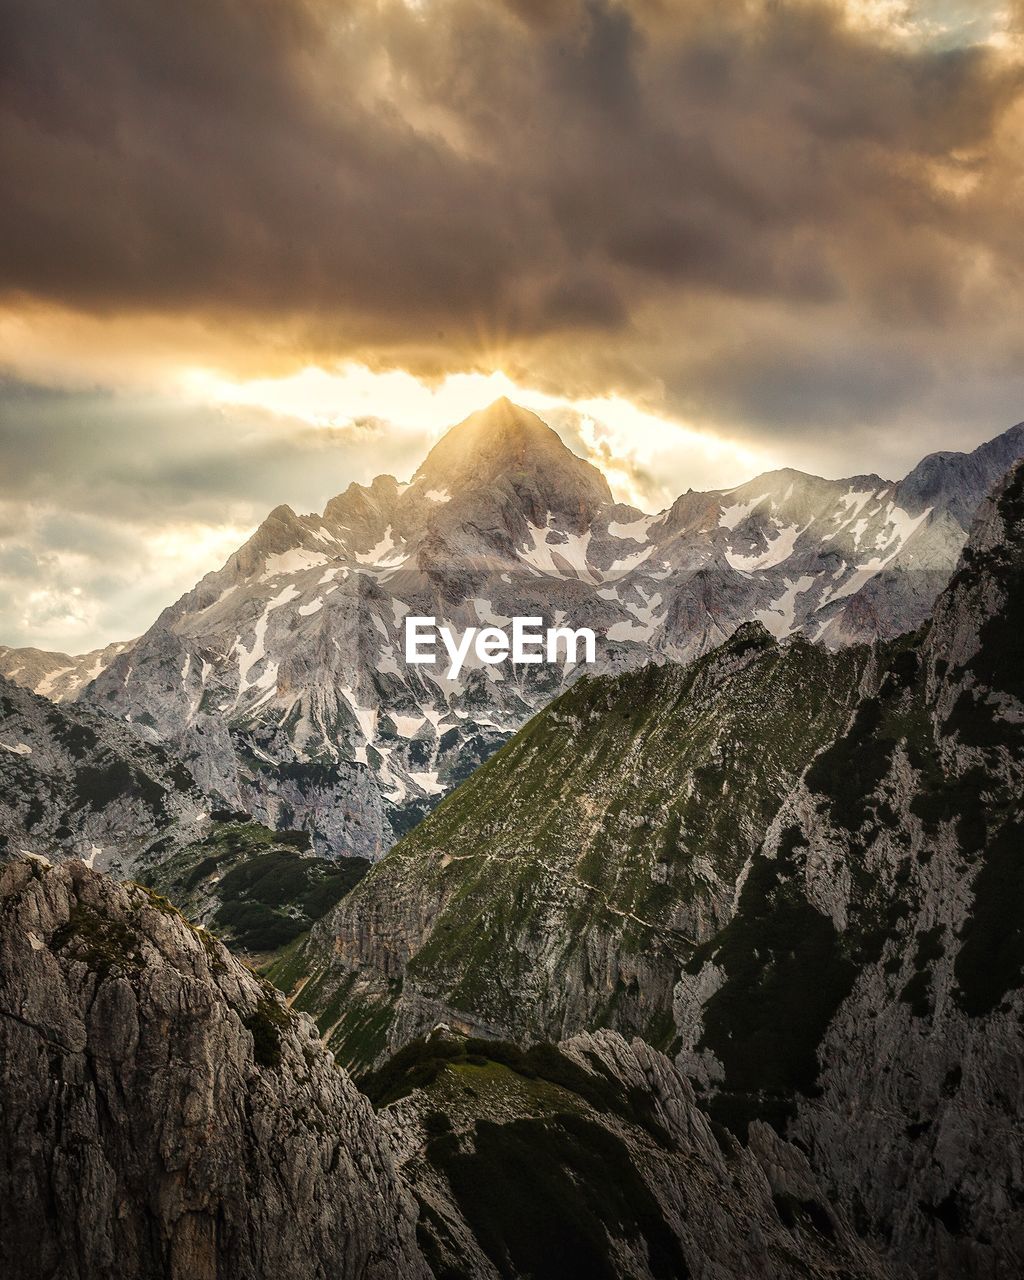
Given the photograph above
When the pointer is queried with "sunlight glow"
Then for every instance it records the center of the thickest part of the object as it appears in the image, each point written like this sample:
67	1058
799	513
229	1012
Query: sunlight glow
648	458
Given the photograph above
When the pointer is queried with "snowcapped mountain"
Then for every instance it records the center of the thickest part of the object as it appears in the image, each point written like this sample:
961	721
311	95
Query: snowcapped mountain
281	677
57	676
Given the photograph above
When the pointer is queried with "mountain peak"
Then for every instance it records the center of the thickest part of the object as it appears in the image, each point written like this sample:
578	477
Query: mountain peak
503	428
507	442
959	481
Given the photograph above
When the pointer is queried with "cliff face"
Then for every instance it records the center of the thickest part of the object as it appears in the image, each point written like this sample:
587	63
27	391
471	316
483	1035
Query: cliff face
163	1114
868	992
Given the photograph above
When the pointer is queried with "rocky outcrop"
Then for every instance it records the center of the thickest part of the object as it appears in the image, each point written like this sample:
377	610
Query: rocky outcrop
164	1115
592	1160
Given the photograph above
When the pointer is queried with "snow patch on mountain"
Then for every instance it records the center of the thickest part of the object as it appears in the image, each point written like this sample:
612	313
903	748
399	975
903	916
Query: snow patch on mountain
779	549
294	561
780	617
385	555
633	531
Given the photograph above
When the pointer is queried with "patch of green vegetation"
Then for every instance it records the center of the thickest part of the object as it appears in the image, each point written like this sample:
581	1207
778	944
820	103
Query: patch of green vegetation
415	1066
265	1024
660	1031
288	967
546	1197
356	1029
253	926
309	774
269	893
103	944
269	899
419	1063
157	900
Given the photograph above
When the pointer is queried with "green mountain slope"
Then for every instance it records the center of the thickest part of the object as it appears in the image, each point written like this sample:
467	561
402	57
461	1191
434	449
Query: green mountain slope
563	886
799	872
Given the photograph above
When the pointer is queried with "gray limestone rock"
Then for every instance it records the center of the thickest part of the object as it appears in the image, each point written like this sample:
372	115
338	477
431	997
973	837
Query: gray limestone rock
164	1115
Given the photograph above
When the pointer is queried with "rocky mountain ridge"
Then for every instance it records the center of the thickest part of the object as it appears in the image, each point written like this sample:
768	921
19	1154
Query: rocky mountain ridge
280	679
78	784
57	676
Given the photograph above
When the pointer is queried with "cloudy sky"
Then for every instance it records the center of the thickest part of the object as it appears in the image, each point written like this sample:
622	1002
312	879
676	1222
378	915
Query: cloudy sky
251	250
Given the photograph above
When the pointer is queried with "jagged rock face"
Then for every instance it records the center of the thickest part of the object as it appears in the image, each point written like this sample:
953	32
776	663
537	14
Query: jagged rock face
164	1115
76	784
592	1162
281	678
868	994
563	886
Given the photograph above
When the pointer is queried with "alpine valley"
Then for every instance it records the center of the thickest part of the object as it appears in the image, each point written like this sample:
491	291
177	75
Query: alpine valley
705	961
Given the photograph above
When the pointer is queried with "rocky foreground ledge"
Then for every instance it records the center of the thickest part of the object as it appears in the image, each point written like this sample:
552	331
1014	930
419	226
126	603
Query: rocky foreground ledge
166	1115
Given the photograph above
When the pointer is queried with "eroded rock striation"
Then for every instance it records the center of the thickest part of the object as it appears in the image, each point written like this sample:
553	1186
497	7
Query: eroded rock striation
163	1114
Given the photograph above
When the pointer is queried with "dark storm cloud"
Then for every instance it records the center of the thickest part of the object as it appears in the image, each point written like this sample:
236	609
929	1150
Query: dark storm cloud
756	217
147	462
385	171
